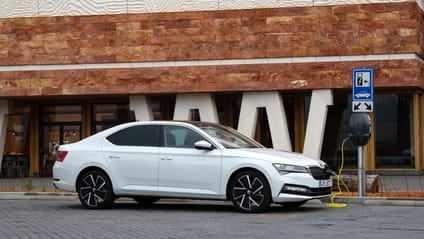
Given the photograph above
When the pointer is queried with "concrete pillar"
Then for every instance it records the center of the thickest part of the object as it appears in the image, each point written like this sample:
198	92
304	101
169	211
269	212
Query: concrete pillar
141	107
204	102
273	103
317	118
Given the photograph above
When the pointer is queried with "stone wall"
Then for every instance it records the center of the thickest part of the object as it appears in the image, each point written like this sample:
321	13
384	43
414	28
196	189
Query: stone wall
46	46
284	32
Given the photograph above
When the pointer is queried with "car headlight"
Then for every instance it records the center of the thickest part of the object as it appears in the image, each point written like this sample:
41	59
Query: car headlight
288	168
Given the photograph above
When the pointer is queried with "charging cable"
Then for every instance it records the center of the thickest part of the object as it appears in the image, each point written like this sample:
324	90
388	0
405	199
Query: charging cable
339	182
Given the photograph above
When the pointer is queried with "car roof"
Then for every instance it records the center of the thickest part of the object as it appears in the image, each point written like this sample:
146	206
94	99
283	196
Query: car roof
116	128
175	122
154	122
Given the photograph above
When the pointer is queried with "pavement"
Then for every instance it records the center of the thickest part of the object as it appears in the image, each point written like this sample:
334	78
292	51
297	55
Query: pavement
402	183
42	189
204	219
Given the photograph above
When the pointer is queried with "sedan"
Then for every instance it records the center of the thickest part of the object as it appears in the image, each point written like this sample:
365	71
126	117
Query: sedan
147	161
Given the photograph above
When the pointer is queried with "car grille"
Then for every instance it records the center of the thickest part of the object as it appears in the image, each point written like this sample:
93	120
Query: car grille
320	173
306	191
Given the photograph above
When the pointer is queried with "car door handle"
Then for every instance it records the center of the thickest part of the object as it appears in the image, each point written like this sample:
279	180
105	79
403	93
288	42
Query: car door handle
165	158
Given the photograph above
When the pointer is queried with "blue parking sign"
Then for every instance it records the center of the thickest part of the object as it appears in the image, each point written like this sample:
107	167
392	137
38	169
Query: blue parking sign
363	90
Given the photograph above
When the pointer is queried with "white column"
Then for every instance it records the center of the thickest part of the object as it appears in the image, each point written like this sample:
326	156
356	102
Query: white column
141	108
204	102
317	118
4	110
273	103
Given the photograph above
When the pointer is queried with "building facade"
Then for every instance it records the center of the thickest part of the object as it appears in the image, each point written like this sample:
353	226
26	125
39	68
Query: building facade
278	71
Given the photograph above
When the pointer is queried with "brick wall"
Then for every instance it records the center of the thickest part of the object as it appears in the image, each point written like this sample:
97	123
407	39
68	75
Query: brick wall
389	28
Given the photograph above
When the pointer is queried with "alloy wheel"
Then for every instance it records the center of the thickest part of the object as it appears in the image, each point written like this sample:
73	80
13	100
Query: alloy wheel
94	190
250	192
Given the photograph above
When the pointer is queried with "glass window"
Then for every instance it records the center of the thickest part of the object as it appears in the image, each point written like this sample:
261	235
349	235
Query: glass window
181	137
394	133
17	132
61	113
228	108
336	130
194	115
296	107
263	132
145	135
162	106
61	124
15	162
228	137
108	115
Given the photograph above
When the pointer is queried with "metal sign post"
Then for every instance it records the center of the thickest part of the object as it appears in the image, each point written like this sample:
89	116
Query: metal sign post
362	180
362	101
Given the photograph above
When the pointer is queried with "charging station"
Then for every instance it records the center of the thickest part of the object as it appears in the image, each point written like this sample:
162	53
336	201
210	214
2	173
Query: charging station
360	122
359	134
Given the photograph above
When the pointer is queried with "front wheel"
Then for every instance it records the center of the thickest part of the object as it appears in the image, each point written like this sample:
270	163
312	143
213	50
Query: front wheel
95	190
249	192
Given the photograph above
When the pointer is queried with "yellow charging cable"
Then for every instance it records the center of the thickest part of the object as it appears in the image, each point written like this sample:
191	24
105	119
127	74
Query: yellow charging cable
339	180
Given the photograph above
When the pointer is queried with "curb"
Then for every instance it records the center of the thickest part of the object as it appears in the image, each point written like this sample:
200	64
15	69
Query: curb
381	201
369	201
37	196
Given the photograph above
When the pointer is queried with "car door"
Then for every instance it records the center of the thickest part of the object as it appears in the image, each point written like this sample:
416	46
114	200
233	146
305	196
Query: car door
185	170
132	155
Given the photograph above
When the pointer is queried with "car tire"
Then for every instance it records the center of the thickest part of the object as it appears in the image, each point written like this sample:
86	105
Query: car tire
249	192
95	190
292	205
145	200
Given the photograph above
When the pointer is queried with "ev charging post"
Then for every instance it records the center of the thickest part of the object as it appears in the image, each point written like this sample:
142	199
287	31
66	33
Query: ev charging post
359	134
360	122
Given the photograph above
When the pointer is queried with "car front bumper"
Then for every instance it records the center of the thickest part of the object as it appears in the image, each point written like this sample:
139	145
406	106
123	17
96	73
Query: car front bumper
301	187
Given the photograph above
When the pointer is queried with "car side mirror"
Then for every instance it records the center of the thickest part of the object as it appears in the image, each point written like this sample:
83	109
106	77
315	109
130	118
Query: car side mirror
203	145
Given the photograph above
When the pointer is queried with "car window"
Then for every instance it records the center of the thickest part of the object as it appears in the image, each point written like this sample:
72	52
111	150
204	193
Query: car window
142	135
228	137
180	137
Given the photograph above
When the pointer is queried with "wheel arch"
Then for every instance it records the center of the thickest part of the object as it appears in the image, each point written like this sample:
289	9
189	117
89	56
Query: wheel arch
236	172
87	169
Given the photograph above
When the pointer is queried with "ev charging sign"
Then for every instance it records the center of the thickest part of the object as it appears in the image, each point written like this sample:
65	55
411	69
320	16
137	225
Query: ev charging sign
363	90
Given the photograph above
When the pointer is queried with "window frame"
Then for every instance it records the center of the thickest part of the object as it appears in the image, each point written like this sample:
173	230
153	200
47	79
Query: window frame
165	133
159	142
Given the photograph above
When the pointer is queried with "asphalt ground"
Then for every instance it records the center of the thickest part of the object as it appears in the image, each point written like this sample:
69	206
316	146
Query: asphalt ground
64	217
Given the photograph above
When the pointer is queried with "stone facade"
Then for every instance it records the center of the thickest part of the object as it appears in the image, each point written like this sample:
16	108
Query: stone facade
307	43
37	8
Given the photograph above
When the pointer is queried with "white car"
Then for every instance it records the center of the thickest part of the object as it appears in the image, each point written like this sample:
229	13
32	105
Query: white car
197	160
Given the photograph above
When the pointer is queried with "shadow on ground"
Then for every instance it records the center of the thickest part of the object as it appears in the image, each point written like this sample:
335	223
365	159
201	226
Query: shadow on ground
197	206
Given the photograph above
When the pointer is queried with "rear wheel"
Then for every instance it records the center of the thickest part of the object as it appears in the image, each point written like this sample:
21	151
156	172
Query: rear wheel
249	192
145	200
95	190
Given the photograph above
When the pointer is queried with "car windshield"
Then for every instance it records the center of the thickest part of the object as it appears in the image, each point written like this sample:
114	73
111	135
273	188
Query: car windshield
228	137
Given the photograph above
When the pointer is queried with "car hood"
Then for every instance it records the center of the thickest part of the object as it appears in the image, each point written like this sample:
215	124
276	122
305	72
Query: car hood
279	156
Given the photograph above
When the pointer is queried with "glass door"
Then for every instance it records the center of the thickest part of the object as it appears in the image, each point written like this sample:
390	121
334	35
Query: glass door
60	124
53	136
